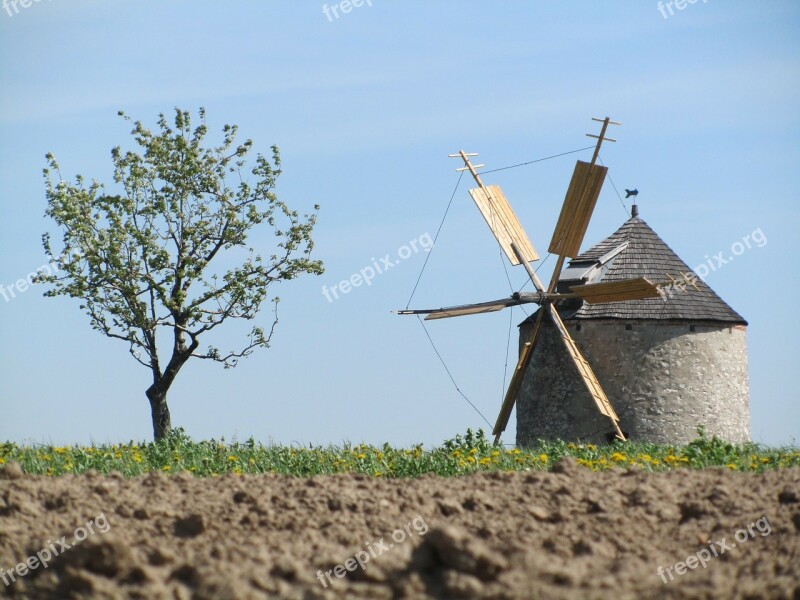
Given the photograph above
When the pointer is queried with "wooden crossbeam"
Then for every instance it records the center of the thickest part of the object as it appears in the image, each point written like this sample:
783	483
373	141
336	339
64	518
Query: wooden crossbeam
602	137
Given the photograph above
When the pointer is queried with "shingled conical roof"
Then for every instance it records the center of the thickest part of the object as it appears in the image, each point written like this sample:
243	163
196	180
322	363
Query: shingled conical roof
635	250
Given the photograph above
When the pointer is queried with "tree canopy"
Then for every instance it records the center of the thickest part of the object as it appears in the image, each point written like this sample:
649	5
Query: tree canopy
168	252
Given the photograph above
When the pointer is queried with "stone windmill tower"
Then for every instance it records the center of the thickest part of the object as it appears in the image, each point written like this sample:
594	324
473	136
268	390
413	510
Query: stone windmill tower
671	353
668	364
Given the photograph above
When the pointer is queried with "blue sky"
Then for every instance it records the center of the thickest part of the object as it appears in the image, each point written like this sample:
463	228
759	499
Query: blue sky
365	108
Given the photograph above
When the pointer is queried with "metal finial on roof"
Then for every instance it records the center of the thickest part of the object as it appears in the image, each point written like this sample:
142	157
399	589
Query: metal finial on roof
635	210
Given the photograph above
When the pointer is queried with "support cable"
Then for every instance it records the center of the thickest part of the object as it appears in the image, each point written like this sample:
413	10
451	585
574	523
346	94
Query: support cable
449	374
425	264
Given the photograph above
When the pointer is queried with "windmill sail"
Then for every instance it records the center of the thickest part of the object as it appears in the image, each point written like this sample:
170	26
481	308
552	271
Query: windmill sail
503	222
617	291
576	212
473	309
582	194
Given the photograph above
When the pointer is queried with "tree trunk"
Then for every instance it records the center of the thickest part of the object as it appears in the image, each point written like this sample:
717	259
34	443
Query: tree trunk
162	424
157	393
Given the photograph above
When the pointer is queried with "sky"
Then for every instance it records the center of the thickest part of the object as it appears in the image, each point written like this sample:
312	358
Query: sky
365	105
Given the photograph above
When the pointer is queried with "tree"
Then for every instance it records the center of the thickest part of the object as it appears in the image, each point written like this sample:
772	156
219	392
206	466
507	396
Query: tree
140	260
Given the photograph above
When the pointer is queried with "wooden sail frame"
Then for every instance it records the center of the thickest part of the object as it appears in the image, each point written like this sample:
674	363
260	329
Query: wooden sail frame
576	212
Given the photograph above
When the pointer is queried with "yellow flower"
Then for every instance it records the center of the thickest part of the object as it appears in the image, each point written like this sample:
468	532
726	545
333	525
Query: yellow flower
232	458
456	454
2	461
470	459
362	455
485	461
591	447
618	457
251	461
166	468
137	458
731	466
378	474
543	457
766	459
670	459
60	450
237	471
496	453
118	454
473	451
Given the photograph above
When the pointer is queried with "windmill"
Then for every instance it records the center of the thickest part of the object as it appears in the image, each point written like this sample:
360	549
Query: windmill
576	212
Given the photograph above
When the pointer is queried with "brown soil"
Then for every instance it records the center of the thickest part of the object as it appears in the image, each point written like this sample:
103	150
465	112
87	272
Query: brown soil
566	534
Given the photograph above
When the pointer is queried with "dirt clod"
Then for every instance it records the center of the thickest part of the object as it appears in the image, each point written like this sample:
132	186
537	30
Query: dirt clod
453	548
568	534
190	526
12	470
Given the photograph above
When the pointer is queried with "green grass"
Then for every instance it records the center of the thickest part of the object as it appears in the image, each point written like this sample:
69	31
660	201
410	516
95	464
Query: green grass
460	455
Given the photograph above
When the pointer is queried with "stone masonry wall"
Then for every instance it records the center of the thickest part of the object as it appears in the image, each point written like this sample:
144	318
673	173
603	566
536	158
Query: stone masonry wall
686	379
